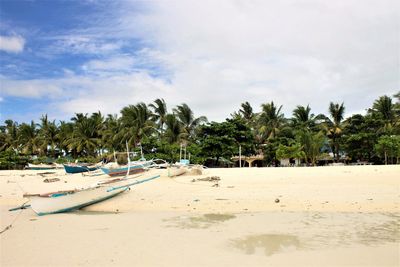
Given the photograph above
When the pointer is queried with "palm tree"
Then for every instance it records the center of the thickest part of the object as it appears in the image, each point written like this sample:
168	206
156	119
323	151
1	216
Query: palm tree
136	124
159	113
110	140
44	124
311	144
188	121
271	120
84	138
65	131
303	118
48	135
174	131
98	120
386	111
334	126
10	136
247	111
28	138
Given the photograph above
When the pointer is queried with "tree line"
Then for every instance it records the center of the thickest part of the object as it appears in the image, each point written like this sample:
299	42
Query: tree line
308	137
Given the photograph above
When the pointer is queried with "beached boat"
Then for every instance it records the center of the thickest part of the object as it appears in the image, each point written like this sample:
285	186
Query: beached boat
64	201
176	170
133	167
78	168
41	166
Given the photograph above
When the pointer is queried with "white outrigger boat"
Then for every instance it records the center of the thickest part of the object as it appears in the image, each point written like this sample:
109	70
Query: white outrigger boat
64	201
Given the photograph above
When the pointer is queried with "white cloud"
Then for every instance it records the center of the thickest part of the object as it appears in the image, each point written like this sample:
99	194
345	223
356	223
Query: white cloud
117	63
76	93
12	44
222	53
111	93
30	88
214	55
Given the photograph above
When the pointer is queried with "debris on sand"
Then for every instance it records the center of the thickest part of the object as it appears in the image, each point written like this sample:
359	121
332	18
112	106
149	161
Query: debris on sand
195	171
51	180
209	179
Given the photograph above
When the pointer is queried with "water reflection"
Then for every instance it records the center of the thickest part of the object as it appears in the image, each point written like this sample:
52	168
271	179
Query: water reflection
270	243
199	222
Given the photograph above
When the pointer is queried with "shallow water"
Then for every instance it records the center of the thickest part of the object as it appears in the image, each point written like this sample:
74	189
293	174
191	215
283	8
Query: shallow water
211	239
200	221
269	243
281	232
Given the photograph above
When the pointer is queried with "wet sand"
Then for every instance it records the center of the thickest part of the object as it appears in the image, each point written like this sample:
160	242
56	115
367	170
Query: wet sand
331	216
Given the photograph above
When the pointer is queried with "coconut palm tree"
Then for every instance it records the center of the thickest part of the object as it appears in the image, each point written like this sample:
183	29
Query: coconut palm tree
159	113
303	118
44	124
270	120
110	140
385	109
247	111
334	126
29	139
10	136
84	139
136	124
65	131
189	123
98	120
174	131
48	135
311	144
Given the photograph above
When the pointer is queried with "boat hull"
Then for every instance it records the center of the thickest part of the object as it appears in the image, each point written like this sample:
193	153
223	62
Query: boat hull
137	168
39	167
176	171
121	171
78	169
69	202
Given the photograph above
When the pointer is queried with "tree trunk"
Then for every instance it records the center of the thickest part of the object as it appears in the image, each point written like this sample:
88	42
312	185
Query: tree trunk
216	162
385	158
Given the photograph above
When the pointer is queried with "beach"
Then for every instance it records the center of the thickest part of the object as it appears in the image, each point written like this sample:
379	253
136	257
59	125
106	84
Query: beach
295	216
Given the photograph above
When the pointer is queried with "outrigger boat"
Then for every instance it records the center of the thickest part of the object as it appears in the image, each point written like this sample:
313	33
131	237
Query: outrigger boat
64	201
41	166
78	168
131	168
114	169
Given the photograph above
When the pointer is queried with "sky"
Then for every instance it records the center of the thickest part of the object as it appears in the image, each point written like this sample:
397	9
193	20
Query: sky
60	57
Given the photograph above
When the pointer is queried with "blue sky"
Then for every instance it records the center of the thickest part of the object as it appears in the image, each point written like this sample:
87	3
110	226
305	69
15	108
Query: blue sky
61	57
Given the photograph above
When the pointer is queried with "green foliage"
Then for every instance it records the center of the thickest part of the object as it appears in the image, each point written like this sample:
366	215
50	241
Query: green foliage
219	140
188	122
10	160
270	120
88	159
389	148
294	150
333	127
359	136
87	137
311	144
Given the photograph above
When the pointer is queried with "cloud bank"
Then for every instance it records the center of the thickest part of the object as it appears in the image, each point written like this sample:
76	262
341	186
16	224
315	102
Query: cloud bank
214	55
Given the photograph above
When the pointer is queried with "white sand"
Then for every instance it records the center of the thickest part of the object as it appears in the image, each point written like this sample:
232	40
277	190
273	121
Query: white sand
326	216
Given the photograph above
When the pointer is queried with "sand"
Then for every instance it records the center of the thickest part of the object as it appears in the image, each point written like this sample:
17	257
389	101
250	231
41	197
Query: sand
320	216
